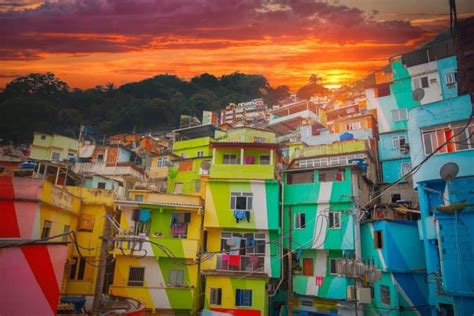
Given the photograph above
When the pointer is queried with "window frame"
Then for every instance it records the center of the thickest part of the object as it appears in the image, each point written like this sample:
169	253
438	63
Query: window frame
248	200
397	139
333	264
46	230
136	283
378	239
336	218
245	299
101	185
161	162
298	218
179	274
230	159
404	169
269	160
53	153
385	295
397	115
212	296
200	153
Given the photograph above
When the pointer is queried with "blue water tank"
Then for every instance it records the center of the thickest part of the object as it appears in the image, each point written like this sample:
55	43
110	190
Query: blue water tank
346	136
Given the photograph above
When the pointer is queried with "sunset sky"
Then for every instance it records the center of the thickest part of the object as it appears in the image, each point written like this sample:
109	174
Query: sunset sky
92	42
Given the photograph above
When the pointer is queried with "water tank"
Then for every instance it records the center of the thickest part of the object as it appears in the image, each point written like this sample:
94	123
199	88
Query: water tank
346	136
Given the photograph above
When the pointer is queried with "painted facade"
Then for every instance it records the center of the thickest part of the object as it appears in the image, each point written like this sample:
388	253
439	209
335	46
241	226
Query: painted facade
241	224
395	247
446	202
319	191
53	147
33	209
162	270
185	176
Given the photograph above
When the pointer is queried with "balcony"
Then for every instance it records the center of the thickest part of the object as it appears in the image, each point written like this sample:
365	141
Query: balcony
237	171
101	168
238	265
289	123
338	148
141	246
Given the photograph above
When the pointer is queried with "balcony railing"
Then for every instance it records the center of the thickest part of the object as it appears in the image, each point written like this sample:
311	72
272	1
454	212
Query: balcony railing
227	262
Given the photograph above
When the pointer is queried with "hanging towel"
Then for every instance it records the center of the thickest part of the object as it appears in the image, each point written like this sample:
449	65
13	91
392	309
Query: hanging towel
144	216
249	160
234	261
178	230
254	262
319	281
187	217
298	254
250	241
180	218
174	219
247	216
230	242
239	215
235	249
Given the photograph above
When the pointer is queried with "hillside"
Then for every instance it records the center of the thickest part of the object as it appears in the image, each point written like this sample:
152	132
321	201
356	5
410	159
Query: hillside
45	103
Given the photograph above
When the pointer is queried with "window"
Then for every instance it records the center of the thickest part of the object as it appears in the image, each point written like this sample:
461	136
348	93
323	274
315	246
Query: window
300	177
100	157
383	90
178	188
184	155
176	277
398	142
451	78
421	83
230	159
216	296
406	167
353	125
136	276
335	220
333	266
43	137
200	153
55	156
162	162
464	139
264	159
101	185
300	220
86	222
66	230
399	115
331	175
77	269
243	297
308	267
257	139
396	197
139	198
244	244
385	294
241	201
378	239
46	229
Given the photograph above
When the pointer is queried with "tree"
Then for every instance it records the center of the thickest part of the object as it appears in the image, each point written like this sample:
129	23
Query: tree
36	84
314	87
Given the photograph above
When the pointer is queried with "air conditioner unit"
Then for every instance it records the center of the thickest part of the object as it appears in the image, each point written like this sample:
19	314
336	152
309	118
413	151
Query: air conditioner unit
405	148
363	295
351	293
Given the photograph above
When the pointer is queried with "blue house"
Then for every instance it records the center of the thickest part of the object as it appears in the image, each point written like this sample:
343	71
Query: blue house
445	184
395	248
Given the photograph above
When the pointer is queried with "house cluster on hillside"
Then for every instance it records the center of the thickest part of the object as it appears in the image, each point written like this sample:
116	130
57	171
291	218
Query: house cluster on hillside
361	200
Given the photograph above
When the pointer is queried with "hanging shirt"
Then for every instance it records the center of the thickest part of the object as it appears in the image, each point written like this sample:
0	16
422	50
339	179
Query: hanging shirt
145	216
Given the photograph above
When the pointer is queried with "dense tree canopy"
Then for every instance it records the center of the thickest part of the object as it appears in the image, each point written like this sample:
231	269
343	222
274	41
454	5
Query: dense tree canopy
45	103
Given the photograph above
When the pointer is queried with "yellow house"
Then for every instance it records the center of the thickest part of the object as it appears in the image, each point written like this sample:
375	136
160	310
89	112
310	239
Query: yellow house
53	147
81	271
156	251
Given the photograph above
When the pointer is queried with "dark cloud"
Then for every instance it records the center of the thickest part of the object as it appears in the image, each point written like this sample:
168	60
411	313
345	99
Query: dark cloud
84	26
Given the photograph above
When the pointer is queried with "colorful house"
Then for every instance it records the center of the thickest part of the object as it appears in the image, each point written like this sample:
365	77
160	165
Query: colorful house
81	269
32	263
156	249
394	247
416	78
192	145
53	147
242	247
320	189
445	183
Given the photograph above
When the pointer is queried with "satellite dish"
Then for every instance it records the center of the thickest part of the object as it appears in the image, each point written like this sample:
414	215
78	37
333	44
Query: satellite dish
418	94
205	165
449	171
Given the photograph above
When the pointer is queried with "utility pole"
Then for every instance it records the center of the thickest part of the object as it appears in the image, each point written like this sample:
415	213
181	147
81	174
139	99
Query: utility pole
290	263
104	252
